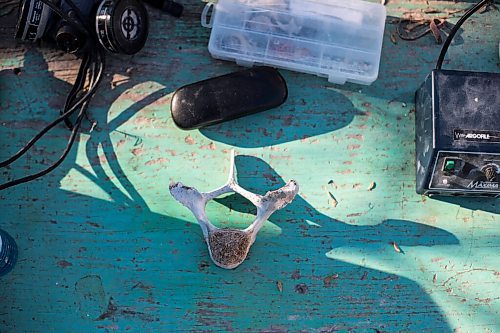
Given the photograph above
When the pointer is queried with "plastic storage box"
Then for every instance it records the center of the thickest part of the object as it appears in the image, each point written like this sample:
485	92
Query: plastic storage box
341	40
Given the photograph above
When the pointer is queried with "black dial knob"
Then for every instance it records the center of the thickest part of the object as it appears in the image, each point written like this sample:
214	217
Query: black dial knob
490	171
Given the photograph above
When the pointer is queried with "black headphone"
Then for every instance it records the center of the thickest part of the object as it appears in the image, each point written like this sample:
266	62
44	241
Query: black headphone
87	28
120	26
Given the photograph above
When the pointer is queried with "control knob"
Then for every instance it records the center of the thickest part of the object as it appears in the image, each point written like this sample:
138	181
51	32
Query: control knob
490	171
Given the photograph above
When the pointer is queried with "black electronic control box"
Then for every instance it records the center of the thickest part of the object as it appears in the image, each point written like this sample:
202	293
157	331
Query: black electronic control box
458	134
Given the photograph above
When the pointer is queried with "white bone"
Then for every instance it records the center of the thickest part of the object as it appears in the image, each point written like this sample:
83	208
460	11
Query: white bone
266	205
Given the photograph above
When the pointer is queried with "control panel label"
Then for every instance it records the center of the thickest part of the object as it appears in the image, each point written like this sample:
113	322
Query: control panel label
466	173
476	135
483	185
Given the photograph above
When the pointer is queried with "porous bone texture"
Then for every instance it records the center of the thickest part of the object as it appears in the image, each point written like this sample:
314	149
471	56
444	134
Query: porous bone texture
228	247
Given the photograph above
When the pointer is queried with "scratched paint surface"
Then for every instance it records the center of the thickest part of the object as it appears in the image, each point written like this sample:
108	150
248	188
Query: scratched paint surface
103	247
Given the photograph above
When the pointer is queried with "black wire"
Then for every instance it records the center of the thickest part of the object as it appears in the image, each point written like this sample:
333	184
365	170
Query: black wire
92	66
94	82
37	137
77	87
80	80
56	164
455	29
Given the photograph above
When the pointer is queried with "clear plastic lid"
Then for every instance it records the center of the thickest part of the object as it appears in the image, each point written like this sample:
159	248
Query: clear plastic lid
341	40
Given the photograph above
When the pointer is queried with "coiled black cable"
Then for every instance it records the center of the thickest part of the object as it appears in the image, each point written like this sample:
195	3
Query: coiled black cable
90	72
68	110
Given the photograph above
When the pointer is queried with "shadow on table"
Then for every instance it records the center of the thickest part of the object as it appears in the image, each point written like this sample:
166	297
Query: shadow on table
310	110
37	88
257	176
485	204
335	234
124	228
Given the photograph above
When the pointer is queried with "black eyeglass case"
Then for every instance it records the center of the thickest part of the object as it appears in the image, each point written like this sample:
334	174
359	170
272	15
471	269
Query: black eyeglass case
228	97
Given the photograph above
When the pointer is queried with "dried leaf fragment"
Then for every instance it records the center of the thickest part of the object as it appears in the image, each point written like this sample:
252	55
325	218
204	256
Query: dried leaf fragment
487	7
328	280
372	186
334	201
331	182
394	38
434	25
301	288
397	248
434	278
279	284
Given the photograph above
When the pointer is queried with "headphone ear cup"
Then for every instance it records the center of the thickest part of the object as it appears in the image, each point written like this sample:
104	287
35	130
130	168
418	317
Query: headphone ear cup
122	26
33	17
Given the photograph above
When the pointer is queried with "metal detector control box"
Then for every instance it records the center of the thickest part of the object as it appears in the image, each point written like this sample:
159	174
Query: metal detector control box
458	134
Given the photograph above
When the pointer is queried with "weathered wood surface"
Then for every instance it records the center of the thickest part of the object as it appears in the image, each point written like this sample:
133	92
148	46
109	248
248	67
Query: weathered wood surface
104	247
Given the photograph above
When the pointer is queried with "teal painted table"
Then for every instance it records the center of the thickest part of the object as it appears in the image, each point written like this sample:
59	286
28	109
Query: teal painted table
103	247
